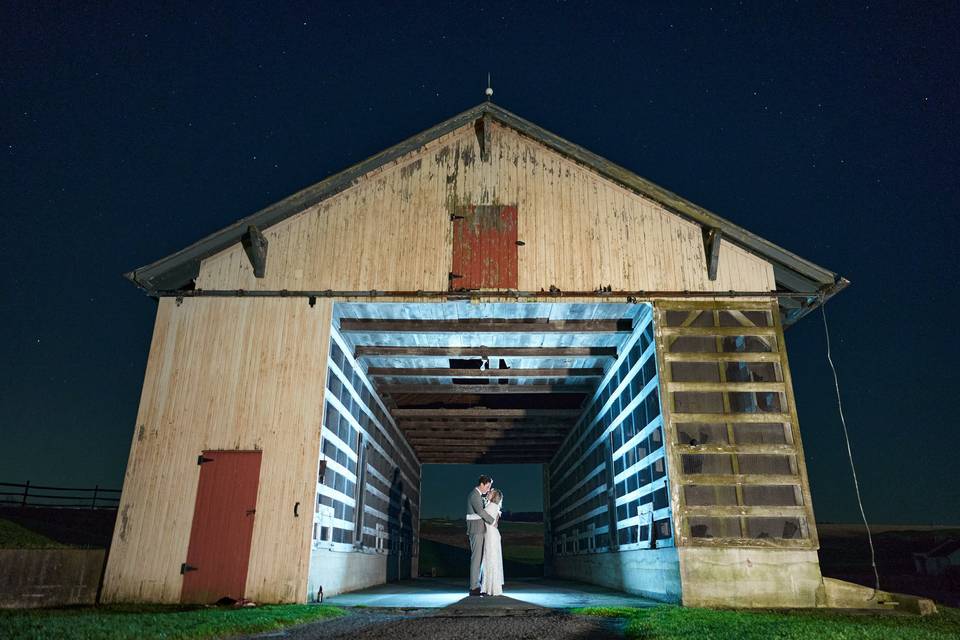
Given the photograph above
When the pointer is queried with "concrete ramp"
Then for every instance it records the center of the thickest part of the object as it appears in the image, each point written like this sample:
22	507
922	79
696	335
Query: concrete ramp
520	595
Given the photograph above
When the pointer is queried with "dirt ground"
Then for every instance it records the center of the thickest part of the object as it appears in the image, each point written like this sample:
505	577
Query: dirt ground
440	624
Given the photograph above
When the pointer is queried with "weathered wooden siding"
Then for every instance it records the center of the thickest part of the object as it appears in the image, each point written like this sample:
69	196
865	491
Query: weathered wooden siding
224	374
392	230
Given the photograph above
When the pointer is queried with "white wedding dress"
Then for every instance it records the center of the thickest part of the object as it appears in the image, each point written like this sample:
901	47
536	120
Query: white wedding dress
492	583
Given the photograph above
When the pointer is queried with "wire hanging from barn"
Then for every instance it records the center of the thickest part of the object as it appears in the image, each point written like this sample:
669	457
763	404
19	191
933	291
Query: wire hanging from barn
846	436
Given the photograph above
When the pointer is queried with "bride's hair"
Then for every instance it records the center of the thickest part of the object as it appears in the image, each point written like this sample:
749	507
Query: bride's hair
496	496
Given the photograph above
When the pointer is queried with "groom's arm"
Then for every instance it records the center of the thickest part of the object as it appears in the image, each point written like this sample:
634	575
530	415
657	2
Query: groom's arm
476	503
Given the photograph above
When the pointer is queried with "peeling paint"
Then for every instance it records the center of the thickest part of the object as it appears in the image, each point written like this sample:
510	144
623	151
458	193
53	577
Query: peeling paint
124	522
408	171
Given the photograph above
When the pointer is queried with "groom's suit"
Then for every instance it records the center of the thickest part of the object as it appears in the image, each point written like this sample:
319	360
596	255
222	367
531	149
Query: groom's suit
476	517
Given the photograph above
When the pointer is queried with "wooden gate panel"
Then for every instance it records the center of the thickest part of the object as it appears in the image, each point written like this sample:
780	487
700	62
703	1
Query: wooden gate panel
485	248
222	531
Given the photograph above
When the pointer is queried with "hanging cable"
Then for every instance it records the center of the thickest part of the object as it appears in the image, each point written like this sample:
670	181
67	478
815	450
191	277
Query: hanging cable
846	436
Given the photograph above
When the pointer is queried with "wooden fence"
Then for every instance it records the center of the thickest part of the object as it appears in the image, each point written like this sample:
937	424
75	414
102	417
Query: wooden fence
34	495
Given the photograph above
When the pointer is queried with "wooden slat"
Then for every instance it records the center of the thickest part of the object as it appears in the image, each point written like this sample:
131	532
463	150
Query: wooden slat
727	386
702	478
488	352
721	357
755	511
779	449
485	325
487	413
718	331
379	372
730	417
471	389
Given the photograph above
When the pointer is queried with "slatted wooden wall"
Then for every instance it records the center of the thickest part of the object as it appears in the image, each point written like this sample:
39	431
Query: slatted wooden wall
224	374
392	230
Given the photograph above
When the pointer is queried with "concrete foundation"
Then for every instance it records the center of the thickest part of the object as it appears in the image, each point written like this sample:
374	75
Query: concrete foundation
652	573
732	577
342	571
49	577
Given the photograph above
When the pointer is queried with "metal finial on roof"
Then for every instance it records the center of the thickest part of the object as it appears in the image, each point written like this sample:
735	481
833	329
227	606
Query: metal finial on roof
489	91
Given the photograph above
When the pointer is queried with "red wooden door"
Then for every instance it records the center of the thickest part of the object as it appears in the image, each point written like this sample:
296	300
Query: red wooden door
485	248
222	530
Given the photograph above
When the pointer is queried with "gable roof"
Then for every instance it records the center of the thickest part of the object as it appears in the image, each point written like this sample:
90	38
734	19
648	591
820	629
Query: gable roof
791	272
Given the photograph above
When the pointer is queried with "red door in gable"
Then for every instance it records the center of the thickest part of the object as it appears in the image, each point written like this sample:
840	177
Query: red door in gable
223	515
484	248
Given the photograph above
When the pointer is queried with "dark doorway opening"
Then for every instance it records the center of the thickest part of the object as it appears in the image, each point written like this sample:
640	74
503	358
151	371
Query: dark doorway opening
444	548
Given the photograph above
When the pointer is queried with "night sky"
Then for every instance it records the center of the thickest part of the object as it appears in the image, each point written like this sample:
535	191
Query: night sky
129	132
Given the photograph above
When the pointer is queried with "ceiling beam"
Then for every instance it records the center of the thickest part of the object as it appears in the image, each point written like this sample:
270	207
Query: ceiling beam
471	389
483	443
486	352
545	427
482	412
422	437
587	372
485	325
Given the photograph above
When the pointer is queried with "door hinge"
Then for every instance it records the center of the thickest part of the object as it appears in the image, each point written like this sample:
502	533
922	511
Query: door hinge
454	276
454	216
184	568
201	459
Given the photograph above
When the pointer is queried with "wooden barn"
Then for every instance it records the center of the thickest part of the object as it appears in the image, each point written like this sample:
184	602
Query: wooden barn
483	292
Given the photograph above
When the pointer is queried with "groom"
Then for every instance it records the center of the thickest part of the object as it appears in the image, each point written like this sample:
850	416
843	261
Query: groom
476	517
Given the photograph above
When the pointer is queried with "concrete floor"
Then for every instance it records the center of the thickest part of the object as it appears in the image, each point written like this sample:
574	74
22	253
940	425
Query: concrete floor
443	592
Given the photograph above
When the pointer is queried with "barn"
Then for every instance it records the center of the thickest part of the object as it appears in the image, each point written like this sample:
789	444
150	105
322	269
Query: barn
483	292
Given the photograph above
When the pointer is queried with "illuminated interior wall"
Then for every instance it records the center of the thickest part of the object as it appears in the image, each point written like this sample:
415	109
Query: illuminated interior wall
367	509
610	516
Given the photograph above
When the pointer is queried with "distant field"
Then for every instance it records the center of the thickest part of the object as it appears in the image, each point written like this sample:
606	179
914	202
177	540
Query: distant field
445	549
845	554
13	536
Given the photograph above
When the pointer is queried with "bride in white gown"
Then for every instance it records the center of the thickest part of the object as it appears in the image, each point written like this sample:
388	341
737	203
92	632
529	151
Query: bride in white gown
492	583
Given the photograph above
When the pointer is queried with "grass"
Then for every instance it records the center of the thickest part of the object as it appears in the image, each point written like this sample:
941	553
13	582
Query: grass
13	536
676	623
153	622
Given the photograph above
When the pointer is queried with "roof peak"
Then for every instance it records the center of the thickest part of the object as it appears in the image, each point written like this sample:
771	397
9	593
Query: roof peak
792	272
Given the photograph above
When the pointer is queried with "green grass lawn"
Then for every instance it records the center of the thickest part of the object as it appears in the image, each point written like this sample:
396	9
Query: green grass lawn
13	536
145	622
676	623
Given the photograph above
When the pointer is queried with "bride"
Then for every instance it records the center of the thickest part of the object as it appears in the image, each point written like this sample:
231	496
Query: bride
492	583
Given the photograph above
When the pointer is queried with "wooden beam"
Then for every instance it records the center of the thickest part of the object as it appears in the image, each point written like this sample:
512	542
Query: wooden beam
480	412
718	331
587	372
471	389
487	352
755	387
255	245
494	459
482	436
485	325
483	427
468	425
488	443
721	357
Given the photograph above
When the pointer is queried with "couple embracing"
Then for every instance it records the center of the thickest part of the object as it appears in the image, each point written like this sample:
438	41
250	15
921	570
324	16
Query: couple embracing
486	556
